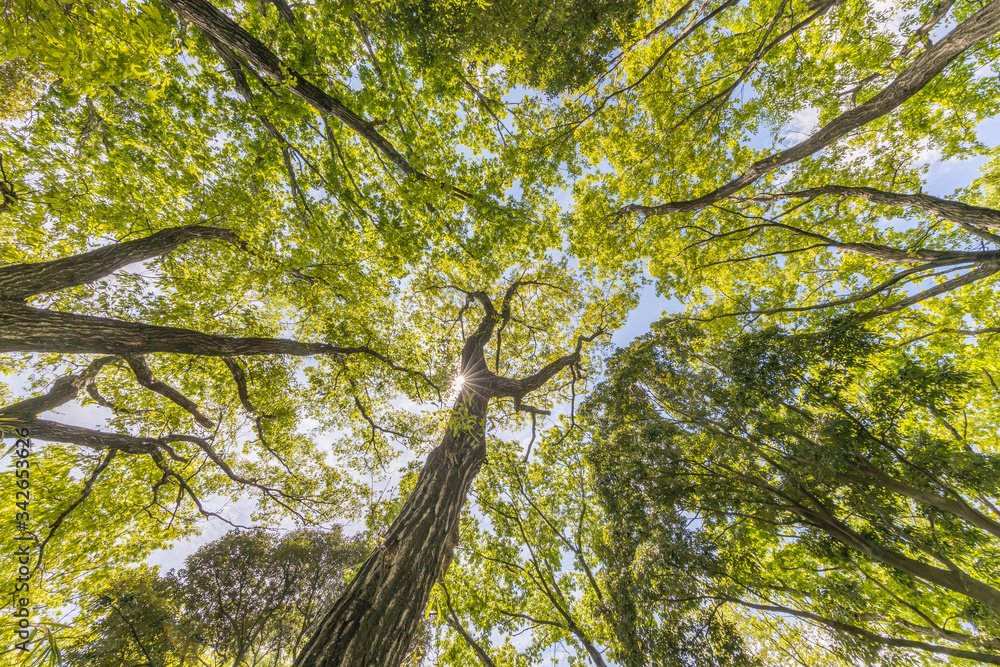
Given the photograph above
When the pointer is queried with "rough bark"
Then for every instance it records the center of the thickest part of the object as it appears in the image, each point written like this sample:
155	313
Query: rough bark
27	329
19	281
374	621
222	29
981	25
49	431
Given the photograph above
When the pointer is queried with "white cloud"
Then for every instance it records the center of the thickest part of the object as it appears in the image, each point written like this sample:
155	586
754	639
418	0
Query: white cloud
802	123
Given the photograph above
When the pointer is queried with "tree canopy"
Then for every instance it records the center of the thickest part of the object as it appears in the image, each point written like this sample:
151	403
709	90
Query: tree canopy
362	263
807	478
245	598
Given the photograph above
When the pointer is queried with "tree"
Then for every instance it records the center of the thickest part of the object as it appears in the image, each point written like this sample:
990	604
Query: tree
174	462
314	563
736	222
423	534
814	480
266	605
247	597
235	608
137	621
322	202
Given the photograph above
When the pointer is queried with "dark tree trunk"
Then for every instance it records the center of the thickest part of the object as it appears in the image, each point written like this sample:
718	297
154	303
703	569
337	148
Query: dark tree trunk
375	620
19	281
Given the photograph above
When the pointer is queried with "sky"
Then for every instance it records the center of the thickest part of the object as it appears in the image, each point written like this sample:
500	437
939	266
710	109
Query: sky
943	179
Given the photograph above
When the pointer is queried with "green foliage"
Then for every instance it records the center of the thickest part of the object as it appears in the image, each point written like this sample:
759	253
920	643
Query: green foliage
247	597
554	46
136	621
526	568
809	476
845	356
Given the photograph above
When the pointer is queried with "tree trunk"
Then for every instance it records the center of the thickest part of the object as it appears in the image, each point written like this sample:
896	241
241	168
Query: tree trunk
374	621
27	329
19	281
975	656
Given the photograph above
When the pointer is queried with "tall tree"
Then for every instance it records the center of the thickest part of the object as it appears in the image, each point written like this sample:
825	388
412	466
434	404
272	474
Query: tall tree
811	480
319	198
246	598
391	593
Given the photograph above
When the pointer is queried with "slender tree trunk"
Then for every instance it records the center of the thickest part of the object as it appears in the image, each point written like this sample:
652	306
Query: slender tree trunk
959	508
374	621
452	619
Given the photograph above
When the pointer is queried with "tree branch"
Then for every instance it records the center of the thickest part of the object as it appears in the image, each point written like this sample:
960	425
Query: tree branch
451	618
518	389
867	634
211	21
144	376
50	431
925	67
88	486
27	329
953	211
19	281
63	390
